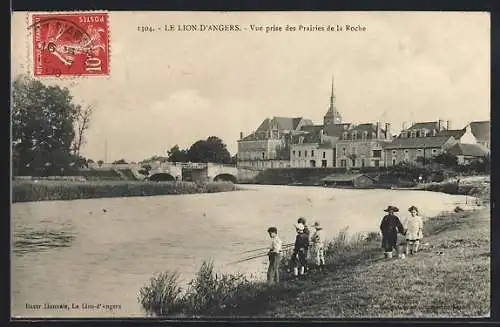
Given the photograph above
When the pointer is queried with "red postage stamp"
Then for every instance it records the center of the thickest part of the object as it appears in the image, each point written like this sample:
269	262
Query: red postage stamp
70	44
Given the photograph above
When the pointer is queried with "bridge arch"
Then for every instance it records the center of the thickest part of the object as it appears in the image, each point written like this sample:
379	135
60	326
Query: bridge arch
226	178
161	177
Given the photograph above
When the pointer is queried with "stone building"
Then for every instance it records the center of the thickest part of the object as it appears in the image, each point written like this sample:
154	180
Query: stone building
363	145
314	146
269	145
410	149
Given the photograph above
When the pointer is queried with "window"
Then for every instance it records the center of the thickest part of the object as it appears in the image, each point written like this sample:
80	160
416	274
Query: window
377	163
343	163
362	162
406	151
353	161
412	134
312	163
305	153
354	135
365	135
344	135
299	153
394	152
394	161
377	153
324	154
354	150
263	155
434	150
312	153
343	151
323	163
293	152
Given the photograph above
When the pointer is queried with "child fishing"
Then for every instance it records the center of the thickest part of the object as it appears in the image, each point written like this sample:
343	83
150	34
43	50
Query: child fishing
274	255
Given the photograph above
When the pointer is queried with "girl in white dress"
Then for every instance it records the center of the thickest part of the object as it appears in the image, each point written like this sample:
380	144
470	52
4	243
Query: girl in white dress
413	230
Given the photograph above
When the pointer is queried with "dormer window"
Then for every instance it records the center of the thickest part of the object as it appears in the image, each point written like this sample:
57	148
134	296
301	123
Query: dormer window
365	135
412	134
301	139
344	135
354	135
417	133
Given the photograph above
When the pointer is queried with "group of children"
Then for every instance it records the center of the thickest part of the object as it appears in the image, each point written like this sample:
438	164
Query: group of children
412	230
303	241
390	227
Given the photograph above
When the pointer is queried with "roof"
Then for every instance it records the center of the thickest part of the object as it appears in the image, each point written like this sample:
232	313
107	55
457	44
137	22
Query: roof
471	150
481	130
337	129
312	134
456	133
283	123
424	125
417	142
257	136
343	177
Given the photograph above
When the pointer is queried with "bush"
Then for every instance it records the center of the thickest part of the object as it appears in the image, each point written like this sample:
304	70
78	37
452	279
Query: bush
162	296
24	191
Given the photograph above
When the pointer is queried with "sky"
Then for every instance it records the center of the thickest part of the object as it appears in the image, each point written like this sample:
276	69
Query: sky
168	88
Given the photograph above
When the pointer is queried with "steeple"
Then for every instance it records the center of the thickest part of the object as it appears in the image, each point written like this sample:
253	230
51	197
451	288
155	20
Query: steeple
332	116
332	97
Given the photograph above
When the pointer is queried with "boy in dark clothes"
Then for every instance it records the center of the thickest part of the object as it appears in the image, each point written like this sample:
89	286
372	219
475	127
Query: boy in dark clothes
300	251
390	226
306	231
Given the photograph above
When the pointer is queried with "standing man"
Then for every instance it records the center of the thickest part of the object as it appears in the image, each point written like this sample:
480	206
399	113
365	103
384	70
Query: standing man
274	255
390	226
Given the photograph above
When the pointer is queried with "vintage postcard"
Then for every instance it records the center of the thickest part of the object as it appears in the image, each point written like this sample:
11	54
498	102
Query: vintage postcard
250	164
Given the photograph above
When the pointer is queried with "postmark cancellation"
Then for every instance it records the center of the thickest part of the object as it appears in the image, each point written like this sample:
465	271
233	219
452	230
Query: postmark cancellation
69	44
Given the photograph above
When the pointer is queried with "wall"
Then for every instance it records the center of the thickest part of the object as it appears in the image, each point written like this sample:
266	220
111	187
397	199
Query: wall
285	176
363	150
303	161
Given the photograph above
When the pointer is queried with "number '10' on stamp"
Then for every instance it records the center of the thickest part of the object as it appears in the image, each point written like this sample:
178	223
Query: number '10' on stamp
70	44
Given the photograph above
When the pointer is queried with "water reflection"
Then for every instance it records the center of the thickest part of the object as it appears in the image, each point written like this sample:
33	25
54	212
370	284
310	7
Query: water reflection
36	241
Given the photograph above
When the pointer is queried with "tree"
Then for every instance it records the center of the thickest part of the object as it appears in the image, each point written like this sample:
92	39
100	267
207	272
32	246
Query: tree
175	154
120	162
42	127
445	159
212	150
99	163
82	123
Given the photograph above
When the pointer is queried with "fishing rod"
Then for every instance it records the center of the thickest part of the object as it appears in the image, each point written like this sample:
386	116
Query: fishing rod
252	257
265	248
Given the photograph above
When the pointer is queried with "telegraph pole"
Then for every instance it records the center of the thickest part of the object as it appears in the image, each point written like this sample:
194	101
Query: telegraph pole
105	151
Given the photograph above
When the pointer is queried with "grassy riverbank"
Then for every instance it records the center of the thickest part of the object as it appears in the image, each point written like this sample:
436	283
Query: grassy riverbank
449	277
28	190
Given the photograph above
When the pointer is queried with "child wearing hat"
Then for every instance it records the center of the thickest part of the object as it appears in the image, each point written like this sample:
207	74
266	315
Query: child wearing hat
414	227
274	255
307	232
390	226
318	240
300	250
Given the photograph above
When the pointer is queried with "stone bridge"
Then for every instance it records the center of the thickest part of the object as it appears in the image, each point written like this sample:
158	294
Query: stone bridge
171	171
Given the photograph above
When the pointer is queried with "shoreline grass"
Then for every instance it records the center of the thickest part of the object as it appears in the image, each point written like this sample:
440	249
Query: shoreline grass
449	277
50	190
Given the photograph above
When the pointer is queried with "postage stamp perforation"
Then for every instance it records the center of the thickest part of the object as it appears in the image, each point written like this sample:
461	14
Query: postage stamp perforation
69	44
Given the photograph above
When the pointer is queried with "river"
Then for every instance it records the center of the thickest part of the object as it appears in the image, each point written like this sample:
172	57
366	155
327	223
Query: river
104	250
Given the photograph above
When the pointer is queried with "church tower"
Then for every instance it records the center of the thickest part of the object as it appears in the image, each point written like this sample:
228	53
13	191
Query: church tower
332	116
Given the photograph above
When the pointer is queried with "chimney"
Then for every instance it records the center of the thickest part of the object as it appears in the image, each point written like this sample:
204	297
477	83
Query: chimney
440	125
241	135
448	124
378	129
388	131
